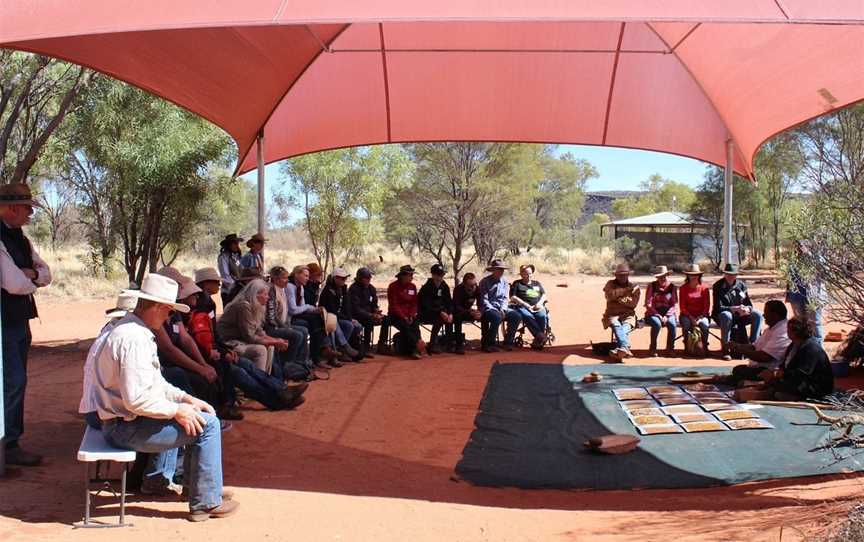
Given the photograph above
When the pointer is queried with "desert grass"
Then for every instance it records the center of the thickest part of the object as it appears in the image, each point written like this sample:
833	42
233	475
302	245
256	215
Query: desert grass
76	277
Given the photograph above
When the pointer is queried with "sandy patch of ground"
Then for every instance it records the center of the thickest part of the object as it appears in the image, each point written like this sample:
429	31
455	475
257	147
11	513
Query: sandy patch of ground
370	456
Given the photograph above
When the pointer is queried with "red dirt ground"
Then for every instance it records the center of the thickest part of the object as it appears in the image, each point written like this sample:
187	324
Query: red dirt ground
370	456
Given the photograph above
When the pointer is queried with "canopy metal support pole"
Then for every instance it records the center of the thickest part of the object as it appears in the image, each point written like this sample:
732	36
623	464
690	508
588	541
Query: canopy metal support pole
728	175
262	212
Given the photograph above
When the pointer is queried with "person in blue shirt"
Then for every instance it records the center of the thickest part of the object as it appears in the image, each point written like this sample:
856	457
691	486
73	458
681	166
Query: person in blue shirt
495	307
254	259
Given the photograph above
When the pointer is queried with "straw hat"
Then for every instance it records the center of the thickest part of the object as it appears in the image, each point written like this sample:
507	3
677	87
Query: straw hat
330	321
172	273
125	304
17	194
187	288
693	269
205	274
662	271
622	269
160	289
497	263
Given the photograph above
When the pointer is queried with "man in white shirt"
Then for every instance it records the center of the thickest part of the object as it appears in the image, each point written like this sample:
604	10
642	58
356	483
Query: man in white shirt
768	350
141	411
22	271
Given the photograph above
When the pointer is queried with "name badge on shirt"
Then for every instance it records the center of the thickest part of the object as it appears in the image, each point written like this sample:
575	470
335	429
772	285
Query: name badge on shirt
439	293
176	328
212	315
410	292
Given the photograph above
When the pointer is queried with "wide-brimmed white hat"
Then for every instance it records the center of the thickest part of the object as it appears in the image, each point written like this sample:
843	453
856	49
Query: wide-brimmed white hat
661	271
159	289
331	322
207	273
125	305
172	273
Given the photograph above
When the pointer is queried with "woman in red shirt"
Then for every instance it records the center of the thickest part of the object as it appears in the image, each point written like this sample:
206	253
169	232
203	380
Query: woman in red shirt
661	309
695	302
402	308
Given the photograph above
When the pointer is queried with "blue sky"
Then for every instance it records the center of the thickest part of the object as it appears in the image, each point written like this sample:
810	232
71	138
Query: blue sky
619	169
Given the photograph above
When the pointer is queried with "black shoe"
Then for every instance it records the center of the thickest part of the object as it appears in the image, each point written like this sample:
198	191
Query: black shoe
230	413
416	355
490	349
22	458
335	363
507	347
299	400
459	350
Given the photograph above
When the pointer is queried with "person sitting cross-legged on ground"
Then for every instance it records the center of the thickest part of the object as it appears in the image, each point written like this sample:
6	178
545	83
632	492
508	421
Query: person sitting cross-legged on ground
805	371
768	350
661	309
622	297
436	308
334	299
733	308
402	307
528	297
694	301
494	305
140	411
364	308
466	301
268	390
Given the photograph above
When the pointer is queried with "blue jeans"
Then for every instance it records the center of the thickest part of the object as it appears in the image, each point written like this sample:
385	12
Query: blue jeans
622	333
492	318
656	324
726	320
16	345
344	331
536	322
703	323
202	460
257	384
314	327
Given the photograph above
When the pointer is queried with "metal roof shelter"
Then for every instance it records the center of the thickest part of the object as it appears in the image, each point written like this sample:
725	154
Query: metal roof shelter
676	238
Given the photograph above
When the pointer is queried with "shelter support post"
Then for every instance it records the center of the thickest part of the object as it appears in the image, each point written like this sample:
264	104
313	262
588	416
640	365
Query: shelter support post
262	211
728	173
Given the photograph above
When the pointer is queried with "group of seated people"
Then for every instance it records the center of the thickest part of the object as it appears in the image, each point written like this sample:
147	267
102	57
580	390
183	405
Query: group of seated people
786	361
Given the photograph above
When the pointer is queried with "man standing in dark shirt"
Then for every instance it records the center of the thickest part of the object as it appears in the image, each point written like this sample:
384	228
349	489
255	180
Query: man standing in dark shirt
436	308
21	272
732	307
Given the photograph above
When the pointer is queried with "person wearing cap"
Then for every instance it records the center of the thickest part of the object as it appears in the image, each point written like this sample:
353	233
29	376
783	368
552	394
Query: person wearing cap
466	303
139	410
402	307
308	315
661	309
436	308
494	303
335	300
254	259
733	308
529	298
694	300
22	271
622	298
363	298
228	263
256	384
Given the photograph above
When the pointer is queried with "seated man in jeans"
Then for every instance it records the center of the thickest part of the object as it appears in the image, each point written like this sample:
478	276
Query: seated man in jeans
495	308
140	411
732	307
622	297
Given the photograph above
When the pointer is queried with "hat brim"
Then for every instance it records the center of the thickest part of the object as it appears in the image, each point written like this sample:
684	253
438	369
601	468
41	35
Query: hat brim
623	272
138	294
658	275
117	313
694	272
736	273
494	267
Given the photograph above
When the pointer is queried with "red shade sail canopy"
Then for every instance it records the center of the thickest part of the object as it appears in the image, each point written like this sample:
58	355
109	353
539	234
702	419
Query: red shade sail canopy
677	76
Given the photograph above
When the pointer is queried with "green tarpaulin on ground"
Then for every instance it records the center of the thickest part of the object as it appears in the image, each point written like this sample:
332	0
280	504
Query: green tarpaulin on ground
534	419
